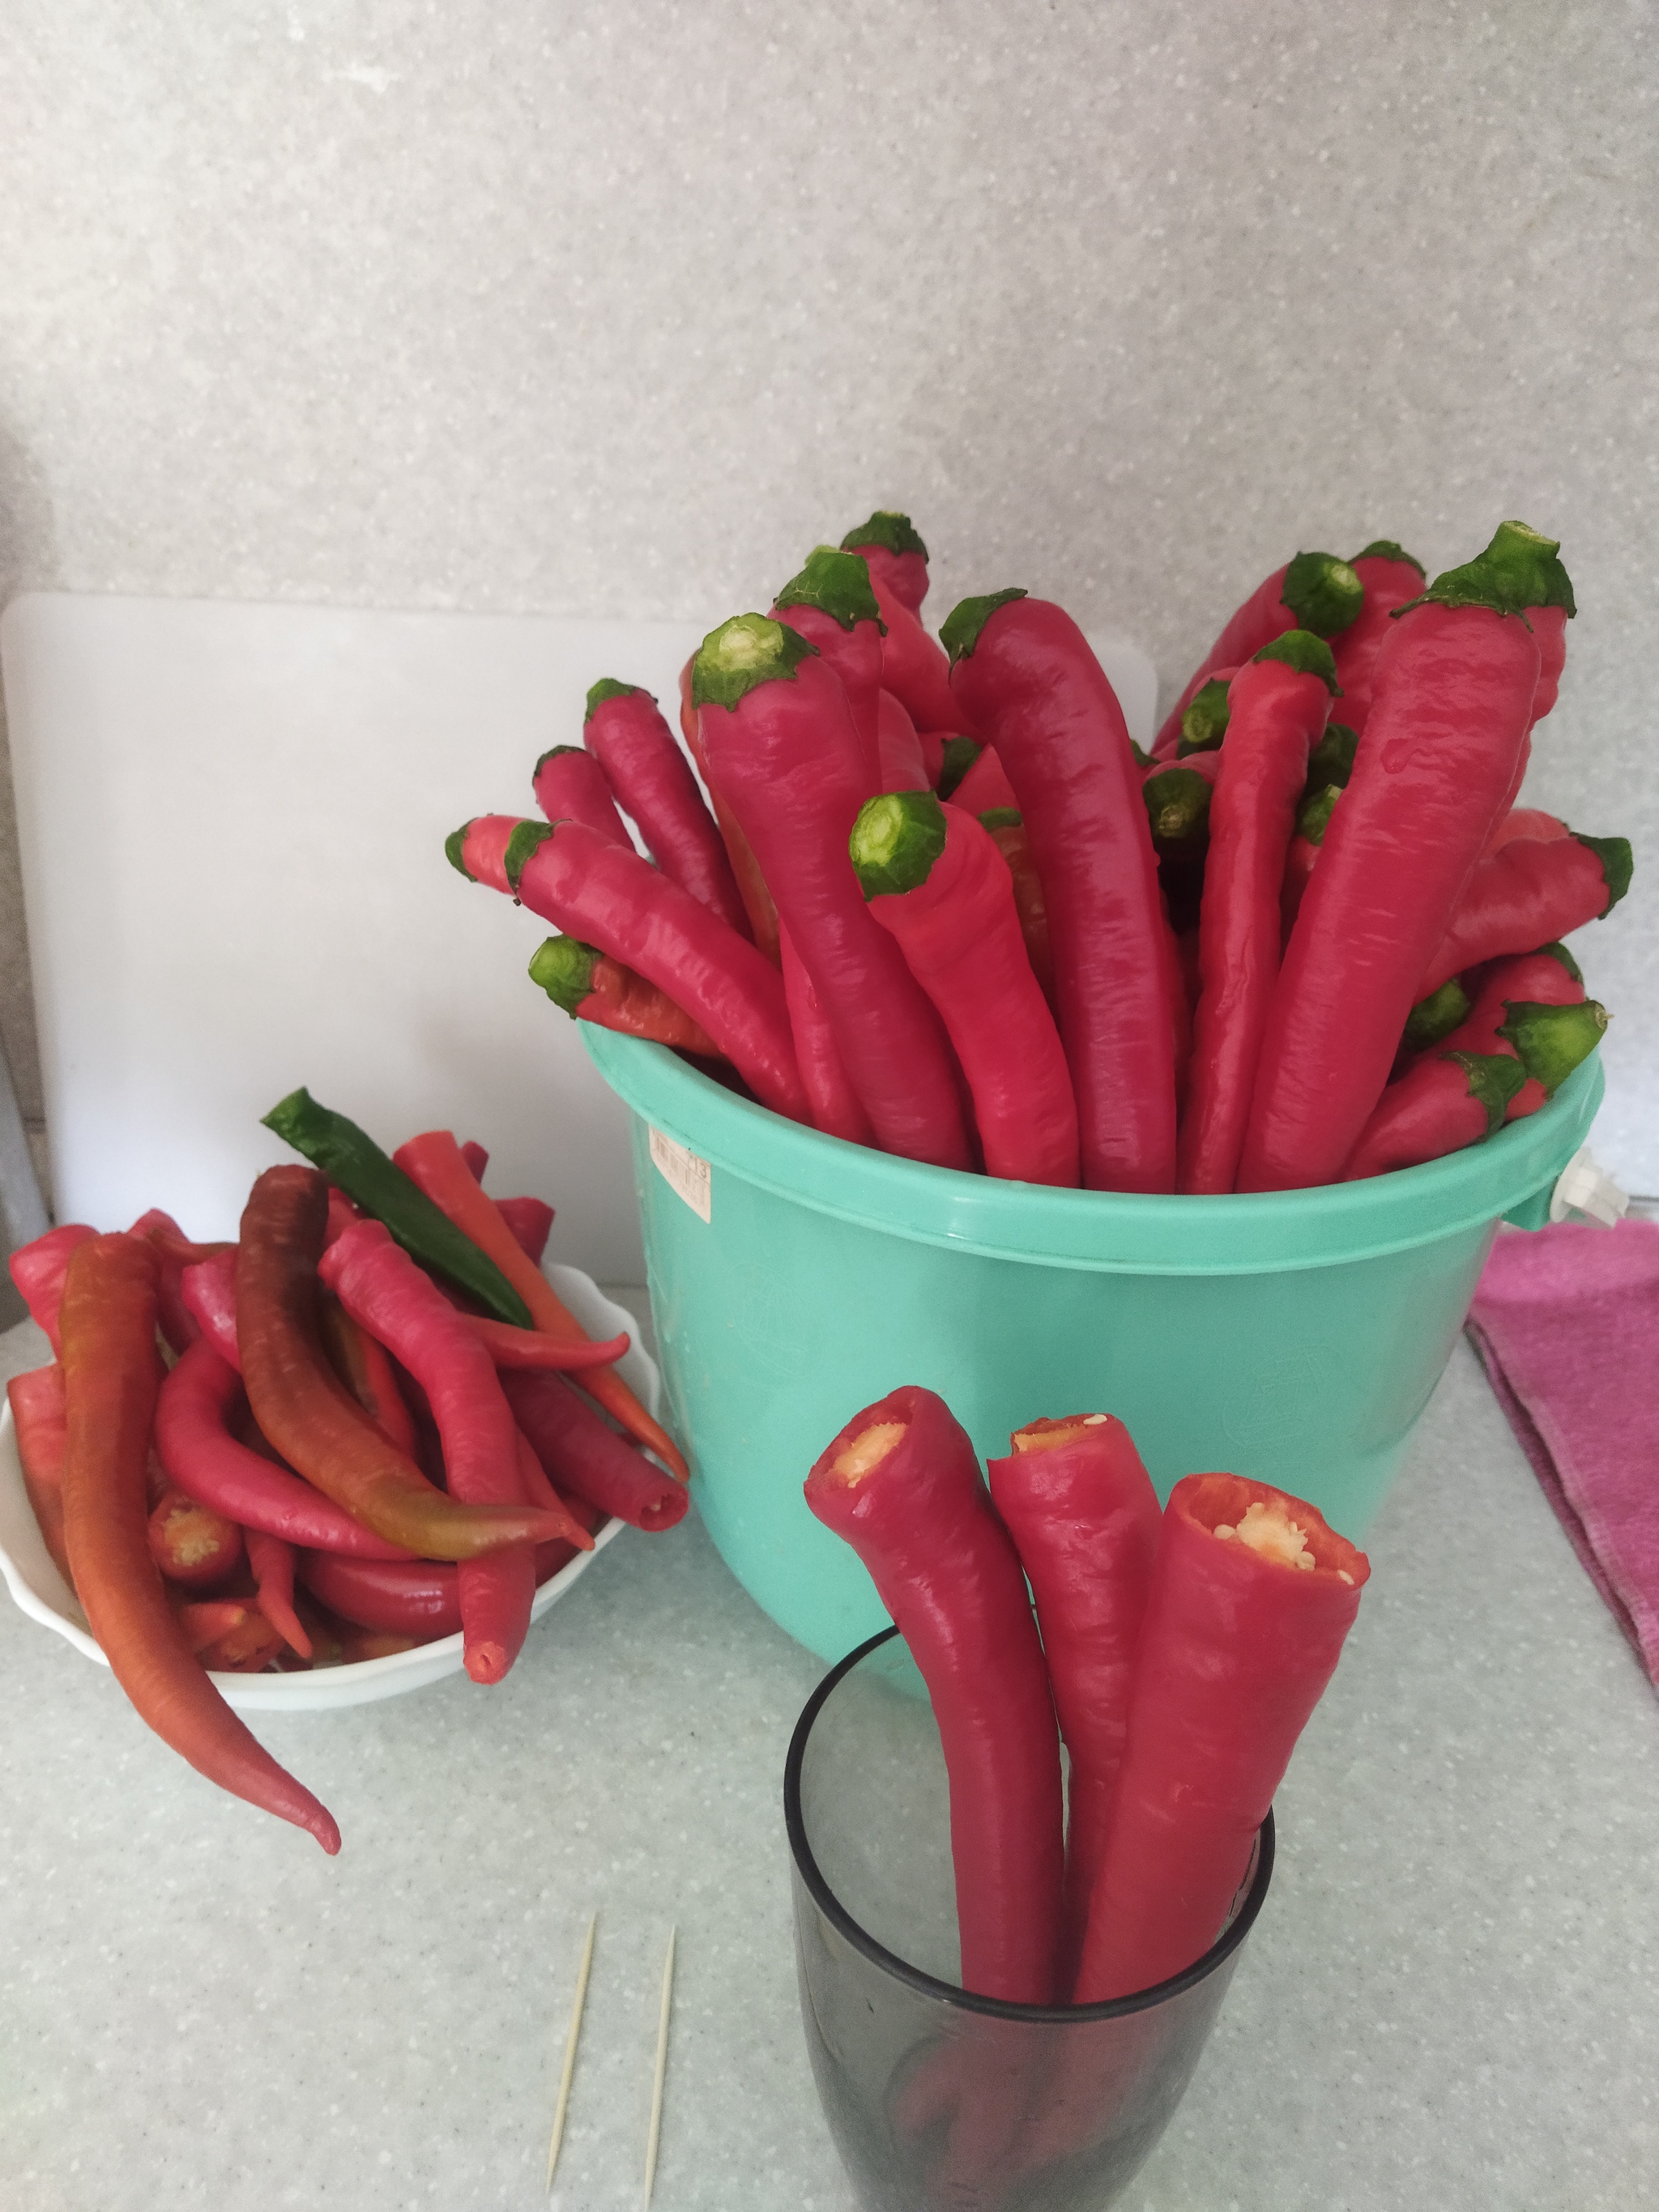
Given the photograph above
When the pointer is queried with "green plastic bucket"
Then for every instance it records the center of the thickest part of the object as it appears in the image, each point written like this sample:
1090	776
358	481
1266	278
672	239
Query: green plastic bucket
1294	1336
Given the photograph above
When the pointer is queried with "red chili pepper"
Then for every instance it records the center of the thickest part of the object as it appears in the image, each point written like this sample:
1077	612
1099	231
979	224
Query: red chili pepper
1277	705
898	559
913	668
38	1269
431	1161
746	868
1315	592
1302	854
782	746
1391	578
208	1291
1526	823
619	901
935	880
205	1461
592	986
1027	678
38	1413
1006	827
1242	1633
421	1599
985	788
902	1484
248	1647
205	1620
835	1103
305	1411
362	1365
1084	1519
1549	627
570	785
1527	891
832	605
1452	693
191	1544
653	782
589	1461
902	764
174	1252
110	1379
530	1220
478	1160
532	1347
387	1295
272	1562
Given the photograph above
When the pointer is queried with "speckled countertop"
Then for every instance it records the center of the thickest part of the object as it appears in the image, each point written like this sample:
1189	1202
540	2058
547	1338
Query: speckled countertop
1452	1998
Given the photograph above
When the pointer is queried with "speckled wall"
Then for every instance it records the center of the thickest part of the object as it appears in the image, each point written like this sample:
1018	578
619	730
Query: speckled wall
589	310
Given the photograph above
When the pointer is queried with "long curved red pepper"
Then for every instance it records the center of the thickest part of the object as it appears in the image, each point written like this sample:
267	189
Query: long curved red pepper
1391	577
532	1347
898	560
422	1599
1315	592
39	1416
1549	627
38	1270
1525	891
1027	678
591	1461
1277	703
619	901
782	748
934	878
913	666
1006	829
433	1161
592	986
832	605
270	1561
173	1253
652	780
305	1411
984	786
757	901
386	1294
1451	701
901	1483
1084	1516
1236	1649
835	1103
571	786
108	1318
205	1460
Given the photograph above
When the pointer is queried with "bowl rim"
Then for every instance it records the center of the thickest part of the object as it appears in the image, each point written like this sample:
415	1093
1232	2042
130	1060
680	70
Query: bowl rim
928	1985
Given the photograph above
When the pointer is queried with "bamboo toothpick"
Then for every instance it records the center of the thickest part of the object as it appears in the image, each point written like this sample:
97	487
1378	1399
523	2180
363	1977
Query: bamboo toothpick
569	2067
662	2069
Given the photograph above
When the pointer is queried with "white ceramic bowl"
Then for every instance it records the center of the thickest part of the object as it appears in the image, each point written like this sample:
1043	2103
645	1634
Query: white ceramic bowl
43	1594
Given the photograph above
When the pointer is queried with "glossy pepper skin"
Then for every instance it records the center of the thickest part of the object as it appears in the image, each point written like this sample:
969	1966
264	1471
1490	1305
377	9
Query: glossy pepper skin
959	931
1315	592
108	1319
832	605
946	1571
619	901
1084	1519
835	1103
652	779
305	1411
757	901
1278	710
1006	829
892	547
1235	1650
1392	579
588	1460
1525	891
570	785
787	757
1026	677
1453	694
591	987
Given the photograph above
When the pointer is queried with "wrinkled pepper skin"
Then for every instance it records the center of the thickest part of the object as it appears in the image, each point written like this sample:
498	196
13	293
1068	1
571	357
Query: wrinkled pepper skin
1235	1650
1452	702
652	782
948	1573
1529	892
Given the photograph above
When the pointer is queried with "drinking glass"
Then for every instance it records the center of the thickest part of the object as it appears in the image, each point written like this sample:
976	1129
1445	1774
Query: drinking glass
940	2101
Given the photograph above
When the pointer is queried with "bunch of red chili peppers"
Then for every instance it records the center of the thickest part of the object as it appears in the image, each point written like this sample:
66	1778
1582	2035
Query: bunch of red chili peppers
368	1423
937	900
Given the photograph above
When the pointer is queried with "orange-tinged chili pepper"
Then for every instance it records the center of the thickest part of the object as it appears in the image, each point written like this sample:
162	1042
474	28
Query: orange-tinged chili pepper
108	1323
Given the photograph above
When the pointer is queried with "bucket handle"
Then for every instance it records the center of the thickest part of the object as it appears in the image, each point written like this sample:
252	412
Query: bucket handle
1583	1192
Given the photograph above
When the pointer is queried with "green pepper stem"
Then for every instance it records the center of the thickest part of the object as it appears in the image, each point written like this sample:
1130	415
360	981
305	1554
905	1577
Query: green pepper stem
1519	569
1310	655
1551	1041
885	527
1434	1017
959	755
1178	805
743	654
1314	817
606	688
1323	592
1495	1079
959	633
1617	862
454	845
563	967
1203	725
838	585
896	839
1331	760
1384	548
527	838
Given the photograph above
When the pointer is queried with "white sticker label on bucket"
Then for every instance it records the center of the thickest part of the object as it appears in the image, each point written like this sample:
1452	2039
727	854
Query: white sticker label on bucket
685	1173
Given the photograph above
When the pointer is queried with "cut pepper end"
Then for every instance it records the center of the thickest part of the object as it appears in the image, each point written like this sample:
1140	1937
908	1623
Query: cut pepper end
866	1452
1269	1523
896	839
1048	1435
743	654
1323	592
564	968
1203	725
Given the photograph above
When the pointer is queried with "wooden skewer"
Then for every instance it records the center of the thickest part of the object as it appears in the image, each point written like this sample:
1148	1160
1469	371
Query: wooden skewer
569	2068
662	2069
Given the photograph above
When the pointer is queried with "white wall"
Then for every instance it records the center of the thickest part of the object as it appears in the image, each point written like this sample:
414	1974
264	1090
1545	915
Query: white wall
592	310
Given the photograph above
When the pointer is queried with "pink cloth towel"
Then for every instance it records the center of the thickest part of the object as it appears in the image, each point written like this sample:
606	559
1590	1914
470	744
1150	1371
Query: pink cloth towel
1566	1320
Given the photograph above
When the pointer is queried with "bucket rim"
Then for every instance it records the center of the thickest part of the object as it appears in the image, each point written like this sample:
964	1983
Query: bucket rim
1249	1233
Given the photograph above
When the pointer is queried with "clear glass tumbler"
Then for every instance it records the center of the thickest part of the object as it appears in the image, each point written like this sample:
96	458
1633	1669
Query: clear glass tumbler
939	2101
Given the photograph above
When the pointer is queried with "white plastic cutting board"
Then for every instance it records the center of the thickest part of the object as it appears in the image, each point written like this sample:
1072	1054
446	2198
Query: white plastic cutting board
232	821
